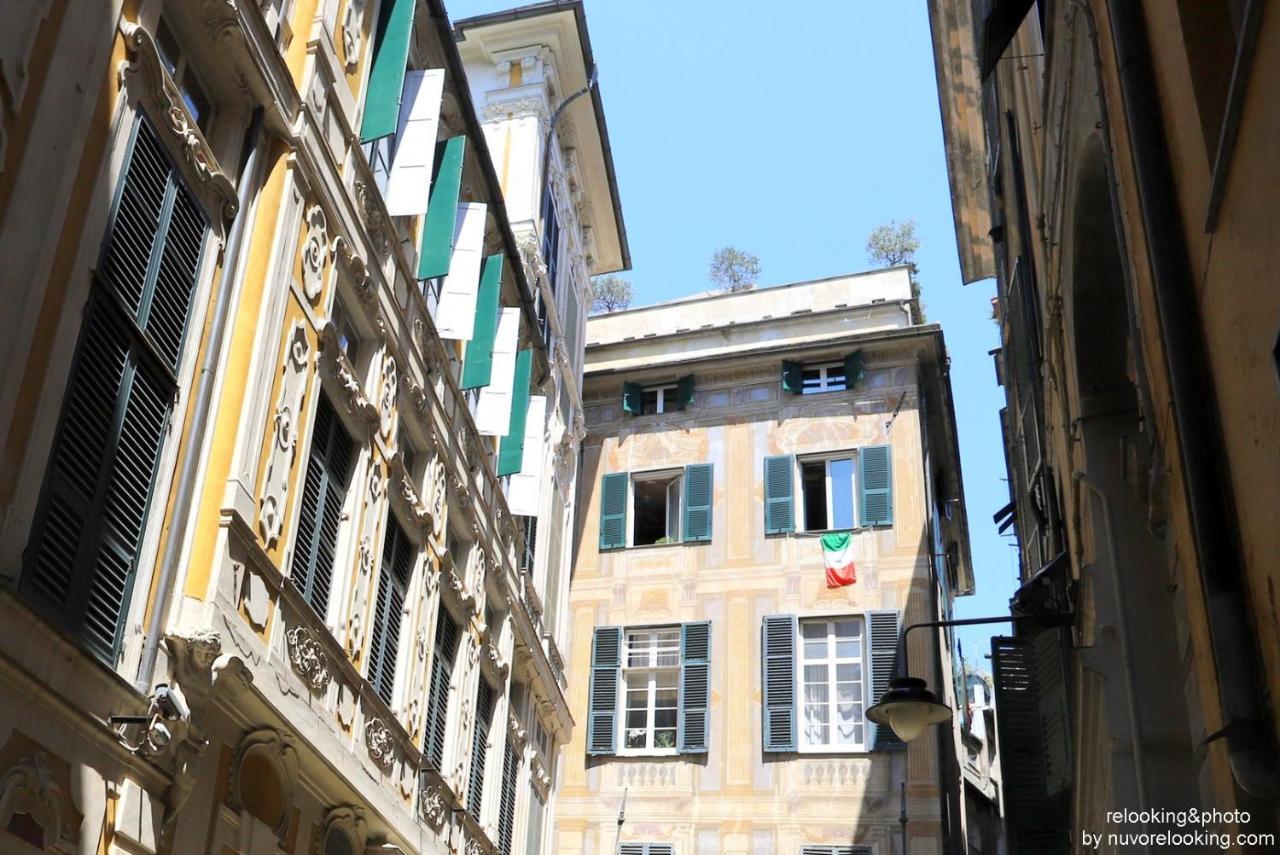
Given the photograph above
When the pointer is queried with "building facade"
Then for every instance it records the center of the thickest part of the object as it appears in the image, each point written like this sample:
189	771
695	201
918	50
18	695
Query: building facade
290	426
1110	166
720	684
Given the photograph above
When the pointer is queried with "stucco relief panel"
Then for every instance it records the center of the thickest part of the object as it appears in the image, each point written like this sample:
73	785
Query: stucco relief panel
367	553
282	453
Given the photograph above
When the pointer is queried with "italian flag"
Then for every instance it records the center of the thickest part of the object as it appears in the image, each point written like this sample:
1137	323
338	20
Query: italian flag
837	551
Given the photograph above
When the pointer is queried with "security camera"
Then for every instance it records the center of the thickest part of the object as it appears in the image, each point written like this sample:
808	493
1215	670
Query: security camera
159	736
171	703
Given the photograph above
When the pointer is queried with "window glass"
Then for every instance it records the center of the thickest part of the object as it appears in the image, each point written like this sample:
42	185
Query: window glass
832	696
827	377
841	474
827	487
184	78
813	481
652	675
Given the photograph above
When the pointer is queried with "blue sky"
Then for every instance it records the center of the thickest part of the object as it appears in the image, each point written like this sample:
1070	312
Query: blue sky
791	132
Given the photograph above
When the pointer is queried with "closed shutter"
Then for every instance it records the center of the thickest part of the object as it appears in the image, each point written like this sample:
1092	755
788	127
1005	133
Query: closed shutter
876	482
779	501
632	398
695	688
613	510
386	80
442	656
477	369
793	378
324	492
511	448
684	392
436	250
480	747
83	553
409	183
398	554
882	630
507	801
455	316
778	663
606	676
853	370
699	491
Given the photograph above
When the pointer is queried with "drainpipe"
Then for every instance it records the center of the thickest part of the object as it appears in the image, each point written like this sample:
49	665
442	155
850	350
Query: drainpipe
1247	721
194	437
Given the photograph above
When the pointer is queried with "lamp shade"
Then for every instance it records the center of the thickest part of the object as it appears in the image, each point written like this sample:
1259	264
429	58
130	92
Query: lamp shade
908	707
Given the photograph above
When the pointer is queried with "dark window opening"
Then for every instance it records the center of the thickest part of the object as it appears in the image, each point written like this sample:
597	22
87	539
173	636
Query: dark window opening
828	494
657	510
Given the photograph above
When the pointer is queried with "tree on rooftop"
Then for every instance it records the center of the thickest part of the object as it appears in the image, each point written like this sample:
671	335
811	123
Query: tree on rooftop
734	270
610	294
893	243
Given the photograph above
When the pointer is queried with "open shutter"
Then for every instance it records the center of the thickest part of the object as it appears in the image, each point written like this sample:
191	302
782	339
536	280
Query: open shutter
409	184
398	554
853	370
882	629
456	314
778	663
875	467
493	410
507	802
525	487
693	730
613	510
511	449
386	80
684	392
606	678
779	501
435	254
632	398
477	367
699	490
479	747
792	377
433	740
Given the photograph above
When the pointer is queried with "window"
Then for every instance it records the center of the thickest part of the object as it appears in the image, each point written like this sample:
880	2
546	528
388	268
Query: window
811	378
324	492
652	672
529	537
379	154
507	799
831	712
398	555
828	377
827	485
479	746
550	237
645	849
408	455
90	523
193	94
660	398
442	656
348	338
668	506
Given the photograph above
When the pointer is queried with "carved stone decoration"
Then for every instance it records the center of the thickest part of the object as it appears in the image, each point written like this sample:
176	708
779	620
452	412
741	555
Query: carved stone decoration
436	498
538	775
387	400
475	847
375	223
535	268
406	497
495	661
380	743
354	268
277	749
308	658
147	80
284	440
334	366
352	28
431	805
368	558
36	786
347	821
477	568
315	253
516	731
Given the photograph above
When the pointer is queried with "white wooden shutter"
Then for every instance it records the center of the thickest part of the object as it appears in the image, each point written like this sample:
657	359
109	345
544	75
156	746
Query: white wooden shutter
493	411
456	313
409	185
523	492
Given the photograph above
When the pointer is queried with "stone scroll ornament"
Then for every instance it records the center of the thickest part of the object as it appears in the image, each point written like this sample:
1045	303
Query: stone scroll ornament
368	558
284	437
308	658
315	253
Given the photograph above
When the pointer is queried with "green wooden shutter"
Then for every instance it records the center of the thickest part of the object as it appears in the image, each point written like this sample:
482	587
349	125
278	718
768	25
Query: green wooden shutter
437	718
792	377
398	554
478	365
875	467
853	370
606	681
613	510
699	492
779	500
479	747
632	398
511	448
91	518
882	650
324	491
507	800
684	392
386	80
436	249
778	664
693	726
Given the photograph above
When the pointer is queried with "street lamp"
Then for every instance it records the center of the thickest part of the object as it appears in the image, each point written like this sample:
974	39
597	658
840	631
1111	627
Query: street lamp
908	707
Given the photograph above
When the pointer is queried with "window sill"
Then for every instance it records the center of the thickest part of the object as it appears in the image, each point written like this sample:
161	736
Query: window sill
833	751
648	752
656	546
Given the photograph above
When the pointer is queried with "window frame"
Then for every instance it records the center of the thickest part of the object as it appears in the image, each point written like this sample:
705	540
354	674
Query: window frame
832	661
654	652
826	457
824	380
676	483
663	393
